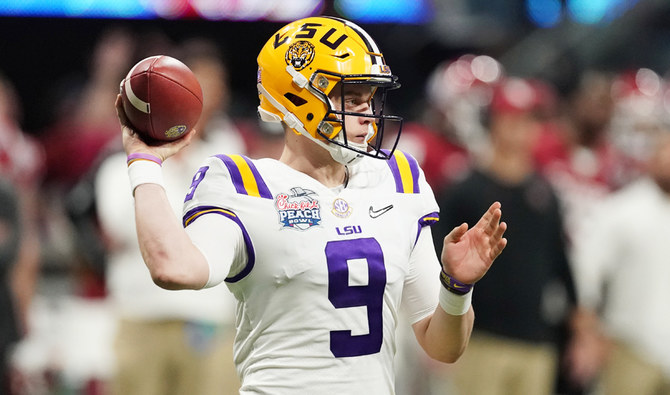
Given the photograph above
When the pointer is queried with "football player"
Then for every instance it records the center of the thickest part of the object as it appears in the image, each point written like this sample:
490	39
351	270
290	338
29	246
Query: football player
321	247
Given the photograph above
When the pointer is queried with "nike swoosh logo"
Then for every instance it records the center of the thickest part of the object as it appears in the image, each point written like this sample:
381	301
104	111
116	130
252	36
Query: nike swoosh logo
376	213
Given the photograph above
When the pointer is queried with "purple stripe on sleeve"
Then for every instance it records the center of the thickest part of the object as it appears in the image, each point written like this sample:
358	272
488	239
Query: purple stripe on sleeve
393	165
429	220
414	168
251	254
263	189
234	174
426	220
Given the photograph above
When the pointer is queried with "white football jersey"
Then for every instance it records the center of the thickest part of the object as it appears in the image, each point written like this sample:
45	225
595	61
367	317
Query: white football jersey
320	289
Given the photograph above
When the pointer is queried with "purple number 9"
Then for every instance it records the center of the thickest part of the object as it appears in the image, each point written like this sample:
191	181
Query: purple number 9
342	294
199	176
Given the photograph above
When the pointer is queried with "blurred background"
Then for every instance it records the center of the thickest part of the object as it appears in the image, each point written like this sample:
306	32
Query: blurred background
596	70
51	40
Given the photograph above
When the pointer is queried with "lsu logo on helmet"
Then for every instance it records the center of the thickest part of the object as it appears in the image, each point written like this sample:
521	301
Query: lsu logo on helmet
300	54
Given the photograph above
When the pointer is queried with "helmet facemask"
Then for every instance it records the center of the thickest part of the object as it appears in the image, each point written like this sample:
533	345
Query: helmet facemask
333	126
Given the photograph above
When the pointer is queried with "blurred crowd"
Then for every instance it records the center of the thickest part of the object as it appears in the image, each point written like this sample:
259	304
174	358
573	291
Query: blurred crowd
575	305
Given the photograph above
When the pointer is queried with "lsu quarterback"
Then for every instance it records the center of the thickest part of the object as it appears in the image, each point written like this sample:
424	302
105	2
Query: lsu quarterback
321	247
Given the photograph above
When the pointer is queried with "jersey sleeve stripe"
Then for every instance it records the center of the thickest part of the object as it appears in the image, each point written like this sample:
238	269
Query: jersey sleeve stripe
430	219
246	178
196	212
426	220
405	171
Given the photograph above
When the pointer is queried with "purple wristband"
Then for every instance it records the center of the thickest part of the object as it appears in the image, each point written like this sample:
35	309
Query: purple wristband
453	285
140	156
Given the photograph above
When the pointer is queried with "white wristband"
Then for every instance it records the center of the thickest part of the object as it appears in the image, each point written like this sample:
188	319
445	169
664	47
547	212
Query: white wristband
144	172
455	304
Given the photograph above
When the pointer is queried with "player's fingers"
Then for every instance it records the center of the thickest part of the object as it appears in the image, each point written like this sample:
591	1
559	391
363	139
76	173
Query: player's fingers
494	221
119	106
500	231
493	224
456	233
186	139
191	133
498	248
166	149
486	219
120	112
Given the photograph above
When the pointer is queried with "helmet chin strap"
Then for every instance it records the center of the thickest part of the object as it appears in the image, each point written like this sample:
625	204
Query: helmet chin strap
340	154
343	155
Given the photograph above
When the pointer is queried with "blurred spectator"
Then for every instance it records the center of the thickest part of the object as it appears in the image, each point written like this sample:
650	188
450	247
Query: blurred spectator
82	128
576	153
215	126
83	131
529	292
450	130
21	165
580	156
640	109
622	268
170	342
83	124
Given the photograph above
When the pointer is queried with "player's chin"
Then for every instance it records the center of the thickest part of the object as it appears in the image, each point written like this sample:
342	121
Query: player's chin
357	141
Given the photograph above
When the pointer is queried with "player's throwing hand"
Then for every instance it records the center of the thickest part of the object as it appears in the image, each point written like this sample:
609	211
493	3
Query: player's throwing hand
133	143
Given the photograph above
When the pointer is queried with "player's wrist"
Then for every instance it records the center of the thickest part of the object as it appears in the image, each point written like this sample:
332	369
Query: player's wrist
454	304
139	156
455	296
144	169
452	285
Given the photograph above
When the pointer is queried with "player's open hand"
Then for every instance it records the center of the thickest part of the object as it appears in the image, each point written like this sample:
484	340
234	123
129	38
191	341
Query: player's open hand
132	143
467	254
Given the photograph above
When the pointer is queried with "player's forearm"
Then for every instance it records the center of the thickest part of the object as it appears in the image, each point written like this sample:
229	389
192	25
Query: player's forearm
443	336
173	261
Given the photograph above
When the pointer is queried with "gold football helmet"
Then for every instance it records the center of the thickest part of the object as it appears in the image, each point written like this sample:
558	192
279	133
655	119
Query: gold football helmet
299	67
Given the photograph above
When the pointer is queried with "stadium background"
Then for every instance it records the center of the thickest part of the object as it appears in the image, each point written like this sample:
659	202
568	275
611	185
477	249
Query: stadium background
44	44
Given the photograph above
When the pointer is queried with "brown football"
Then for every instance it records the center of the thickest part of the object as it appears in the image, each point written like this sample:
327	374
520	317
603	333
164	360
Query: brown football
162	98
